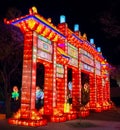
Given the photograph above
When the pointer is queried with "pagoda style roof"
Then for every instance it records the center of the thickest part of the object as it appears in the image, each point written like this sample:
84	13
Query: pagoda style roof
34	21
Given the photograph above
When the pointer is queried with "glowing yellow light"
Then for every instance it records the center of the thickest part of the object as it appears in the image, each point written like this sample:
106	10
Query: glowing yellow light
66	108
34	9
31	23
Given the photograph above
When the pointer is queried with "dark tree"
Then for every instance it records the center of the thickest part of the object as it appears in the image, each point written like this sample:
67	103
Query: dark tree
12	13
113	83
115	76
11	48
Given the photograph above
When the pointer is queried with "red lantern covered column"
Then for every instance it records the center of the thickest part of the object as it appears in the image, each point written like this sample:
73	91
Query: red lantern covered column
48	89
29	72
79	75
108	89
75	92
93	95
99	90
54	74
66	76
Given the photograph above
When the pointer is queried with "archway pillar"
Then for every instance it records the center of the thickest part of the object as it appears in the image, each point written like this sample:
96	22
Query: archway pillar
93	92
75	92
29	71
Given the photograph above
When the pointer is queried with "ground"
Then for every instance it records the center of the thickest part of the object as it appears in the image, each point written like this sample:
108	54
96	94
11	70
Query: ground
106	120
109	115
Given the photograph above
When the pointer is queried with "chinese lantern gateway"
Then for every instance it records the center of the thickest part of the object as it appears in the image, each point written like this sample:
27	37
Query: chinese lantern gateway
67	57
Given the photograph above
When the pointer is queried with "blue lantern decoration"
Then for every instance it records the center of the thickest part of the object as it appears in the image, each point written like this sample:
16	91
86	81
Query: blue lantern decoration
76	27
99	49
62	19
92	41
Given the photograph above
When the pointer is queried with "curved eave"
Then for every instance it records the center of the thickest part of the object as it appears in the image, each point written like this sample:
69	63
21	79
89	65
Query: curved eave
74	39
23	23
80	40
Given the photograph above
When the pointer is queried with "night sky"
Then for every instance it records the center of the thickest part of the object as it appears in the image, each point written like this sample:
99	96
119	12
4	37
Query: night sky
99	19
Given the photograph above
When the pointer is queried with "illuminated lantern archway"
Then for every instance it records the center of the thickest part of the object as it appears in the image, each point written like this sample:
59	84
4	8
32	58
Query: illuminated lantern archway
58	49
39	35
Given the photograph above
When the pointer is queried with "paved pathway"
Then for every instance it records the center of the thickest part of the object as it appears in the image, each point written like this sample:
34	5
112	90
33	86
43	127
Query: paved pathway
68	125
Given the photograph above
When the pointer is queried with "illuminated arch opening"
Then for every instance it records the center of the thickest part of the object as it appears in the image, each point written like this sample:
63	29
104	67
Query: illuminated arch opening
85	91
40	85
69	88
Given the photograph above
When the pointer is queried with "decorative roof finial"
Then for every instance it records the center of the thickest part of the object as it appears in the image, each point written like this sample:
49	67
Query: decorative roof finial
33	10
84	36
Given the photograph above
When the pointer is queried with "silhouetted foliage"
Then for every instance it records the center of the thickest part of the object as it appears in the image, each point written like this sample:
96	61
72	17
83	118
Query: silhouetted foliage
11	50
115	76
13	13
113	83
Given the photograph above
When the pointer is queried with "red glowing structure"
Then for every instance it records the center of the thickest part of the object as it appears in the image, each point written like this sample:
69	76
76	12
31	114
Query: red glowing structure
66	56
